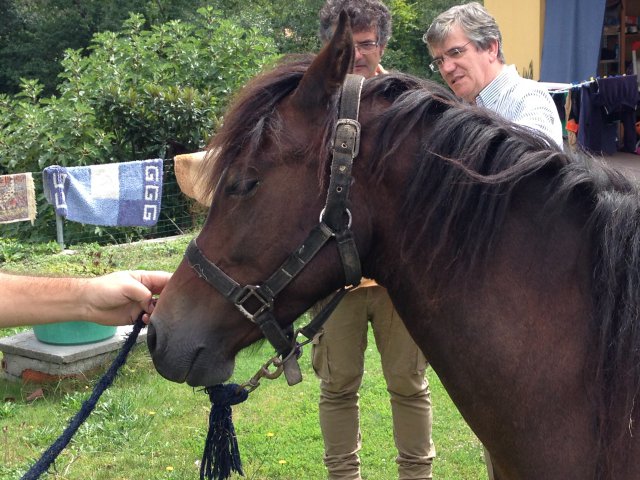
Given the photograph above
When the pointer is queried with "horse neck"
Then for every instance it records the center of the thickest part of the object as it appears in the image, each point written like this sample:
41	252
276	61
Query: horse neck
520	321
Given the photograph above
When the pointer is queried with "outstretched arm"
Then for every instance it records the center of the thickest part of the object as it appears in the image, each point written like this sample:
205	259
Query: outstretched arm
114	299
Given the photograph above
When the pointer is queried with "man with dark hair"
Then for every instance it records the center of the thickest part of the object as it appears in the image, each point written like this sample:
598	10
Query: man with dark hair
371	26
338	353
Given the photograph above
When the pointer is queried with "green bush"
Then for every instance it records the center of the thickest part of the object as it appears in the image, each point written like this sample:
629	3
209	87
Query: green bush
138	94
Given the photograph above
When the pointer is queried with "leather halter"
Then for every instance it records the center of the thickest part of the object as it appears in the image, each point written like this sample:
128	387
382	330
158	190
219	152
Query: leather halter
255	302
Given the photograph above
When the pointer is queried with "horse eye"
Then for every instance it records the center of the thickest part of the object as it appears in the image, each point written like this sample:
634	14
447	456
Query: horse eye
242	187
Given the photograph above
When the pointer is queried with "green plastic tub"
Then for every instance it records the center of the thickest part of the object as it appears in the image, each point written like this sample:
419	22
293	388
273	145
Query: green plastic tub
73	333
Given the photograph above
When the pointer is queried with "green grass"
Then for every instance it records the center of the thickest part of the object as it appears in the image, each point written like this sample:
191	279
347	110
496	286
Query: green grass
145	427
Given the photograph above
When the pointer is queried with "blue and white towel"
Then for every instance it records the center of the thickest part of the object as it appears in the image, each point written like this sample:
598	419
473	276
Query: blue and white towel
114	194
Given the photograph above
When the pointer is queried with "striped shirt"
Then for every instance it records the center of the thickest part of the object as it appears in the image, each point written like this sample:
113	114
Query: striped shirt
522	101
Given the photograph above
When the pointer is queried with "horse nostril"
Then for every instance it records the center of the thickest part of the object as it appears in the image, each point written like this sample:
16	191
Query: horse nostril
151	338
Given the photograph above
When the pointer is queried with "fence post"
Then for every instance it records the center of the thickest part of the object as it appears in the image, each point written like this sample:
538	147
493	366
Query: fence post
60	231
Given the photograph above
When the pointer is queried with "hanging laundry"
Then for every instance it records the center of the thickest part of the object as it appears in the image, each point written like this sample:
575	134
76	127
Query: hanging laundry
572	108
114	194
604	103
17	198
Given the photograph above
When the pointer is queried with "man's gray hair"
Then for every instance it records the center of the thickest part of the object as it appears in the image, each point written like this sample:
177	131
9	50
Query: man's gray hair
364	14
474	20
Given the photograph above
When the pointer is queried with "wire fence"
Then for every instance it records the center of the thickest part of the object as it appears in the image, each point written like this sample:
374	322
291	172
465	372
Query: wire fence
179	214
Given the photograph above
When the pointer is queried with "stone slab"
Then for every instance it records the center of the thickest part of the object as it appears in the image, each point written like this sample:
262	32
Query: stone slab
23	352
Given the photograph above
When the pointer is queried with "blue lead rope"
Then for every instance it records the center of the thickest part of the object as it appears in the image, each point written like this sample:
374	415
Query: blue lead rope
49	456
221	453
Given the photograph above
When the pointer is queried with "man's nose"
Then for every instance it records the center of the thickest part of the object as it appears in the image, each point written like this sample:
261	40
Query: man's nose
448	64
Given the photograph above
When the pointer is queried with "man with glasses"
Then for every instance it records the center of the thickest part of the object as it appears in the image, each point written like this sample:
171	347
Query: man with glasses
371	26
338	353
466	46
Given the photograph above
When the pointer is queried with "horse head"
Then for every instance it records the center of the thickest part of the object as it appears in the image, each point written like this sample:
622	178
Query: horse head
268	172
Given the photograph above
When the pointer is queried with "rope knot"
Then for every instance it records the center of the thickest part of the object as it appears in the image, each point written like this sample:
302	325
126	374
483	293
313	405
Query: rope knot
221	453
230	394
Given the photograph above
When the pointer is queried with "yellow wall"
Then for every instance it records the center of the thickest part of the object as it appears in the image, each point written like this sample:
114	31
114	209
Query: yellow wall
522	26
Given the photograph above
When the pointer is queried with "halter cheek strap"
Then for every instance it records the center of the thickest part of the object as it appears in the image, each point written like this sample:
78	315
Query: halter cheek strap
346	146
255	302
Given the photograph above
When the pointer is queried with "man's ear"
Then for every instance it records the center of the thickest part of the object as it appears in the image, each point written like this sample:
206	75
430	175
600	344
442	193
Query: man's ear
494	47
327	72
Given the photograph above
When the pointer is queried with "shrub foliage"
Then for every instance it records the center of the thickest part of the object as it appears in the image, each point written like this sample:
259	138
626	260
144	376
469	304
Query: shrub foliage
140	93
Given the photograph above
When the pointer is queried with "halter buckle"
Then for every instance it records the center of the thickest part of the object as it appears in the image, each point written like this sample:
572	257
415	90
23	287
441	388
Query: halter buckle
249	292
347	137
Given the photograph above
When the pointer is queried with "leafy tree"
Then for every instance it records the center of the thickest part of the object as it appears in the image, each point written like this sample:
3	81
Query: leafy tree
296	29
35	34
140	93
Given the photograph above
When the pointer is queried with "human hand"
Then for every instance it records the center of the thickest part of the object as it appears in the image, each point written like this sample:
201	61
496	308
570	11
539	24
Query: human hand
118	298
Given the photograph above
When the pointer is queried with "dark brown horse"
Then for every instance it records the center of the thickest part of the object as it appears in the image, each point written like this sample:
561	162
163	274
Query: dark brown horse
515	266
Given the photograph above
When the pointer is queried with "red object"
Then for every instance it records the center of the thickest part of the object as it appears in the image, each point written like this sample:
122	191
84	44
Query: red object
635	45
572	126
34	376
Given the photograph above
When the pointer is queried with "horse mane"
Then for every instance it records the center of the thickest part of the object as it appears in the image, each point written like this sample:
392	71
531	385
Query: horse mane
479	160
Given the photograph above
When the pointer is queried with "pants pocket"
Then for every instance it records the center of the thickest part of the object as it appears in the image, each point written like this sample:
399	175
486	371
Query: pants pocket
320	361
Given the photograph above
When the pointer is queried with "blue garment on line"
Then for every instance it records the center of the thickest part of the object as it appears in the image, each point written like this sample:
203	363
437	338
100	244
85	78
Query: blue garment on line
603	103
114	194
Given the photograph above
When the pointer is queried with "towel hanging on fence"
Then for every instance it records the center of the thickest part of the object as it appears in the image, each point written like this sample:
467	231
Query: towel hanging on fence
115	194
17	198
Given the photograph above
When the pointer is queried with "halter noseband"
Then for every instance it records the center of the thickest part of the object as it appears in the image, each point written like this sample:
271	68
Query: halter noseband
255	302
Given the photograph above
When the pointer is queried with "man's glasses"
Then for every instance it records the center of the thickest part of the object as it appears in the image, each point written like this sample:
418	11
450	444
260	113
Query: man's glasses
454	53
366	47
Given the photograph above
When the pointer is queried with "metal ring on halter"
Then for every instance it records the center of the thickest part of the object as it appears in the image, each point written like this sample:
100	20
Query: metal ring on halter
348	214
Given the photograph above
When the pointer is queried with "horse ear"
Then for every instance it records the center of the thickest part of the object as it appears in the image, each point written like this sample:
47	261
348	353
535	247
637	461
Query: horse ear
329	69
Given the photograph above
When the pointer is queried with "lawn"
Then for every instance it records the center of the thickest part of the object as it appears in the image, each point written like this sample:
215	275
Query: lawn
146	427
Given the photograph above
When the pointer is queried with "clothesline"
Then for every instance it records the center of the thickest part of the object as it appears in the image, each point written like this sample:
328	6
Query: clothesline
599	114
555	87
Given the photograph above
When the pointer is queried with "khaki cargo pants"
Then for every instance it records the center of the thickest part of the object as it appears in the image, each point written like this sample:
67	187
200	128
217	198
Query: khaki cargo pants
338	359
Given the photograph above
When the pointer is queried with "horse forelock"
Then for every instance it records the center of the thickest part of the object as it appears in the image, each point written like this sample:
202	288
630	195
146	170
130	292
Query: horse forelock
253	117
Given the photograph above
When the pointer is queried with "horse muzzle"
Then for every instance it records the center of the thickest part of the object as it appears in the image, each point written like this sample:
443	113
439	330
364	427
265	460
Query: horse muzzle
182	360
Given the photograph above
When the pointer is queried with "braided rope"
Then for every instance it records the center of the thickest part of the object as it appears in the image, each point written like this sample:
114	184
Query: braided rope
49	456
